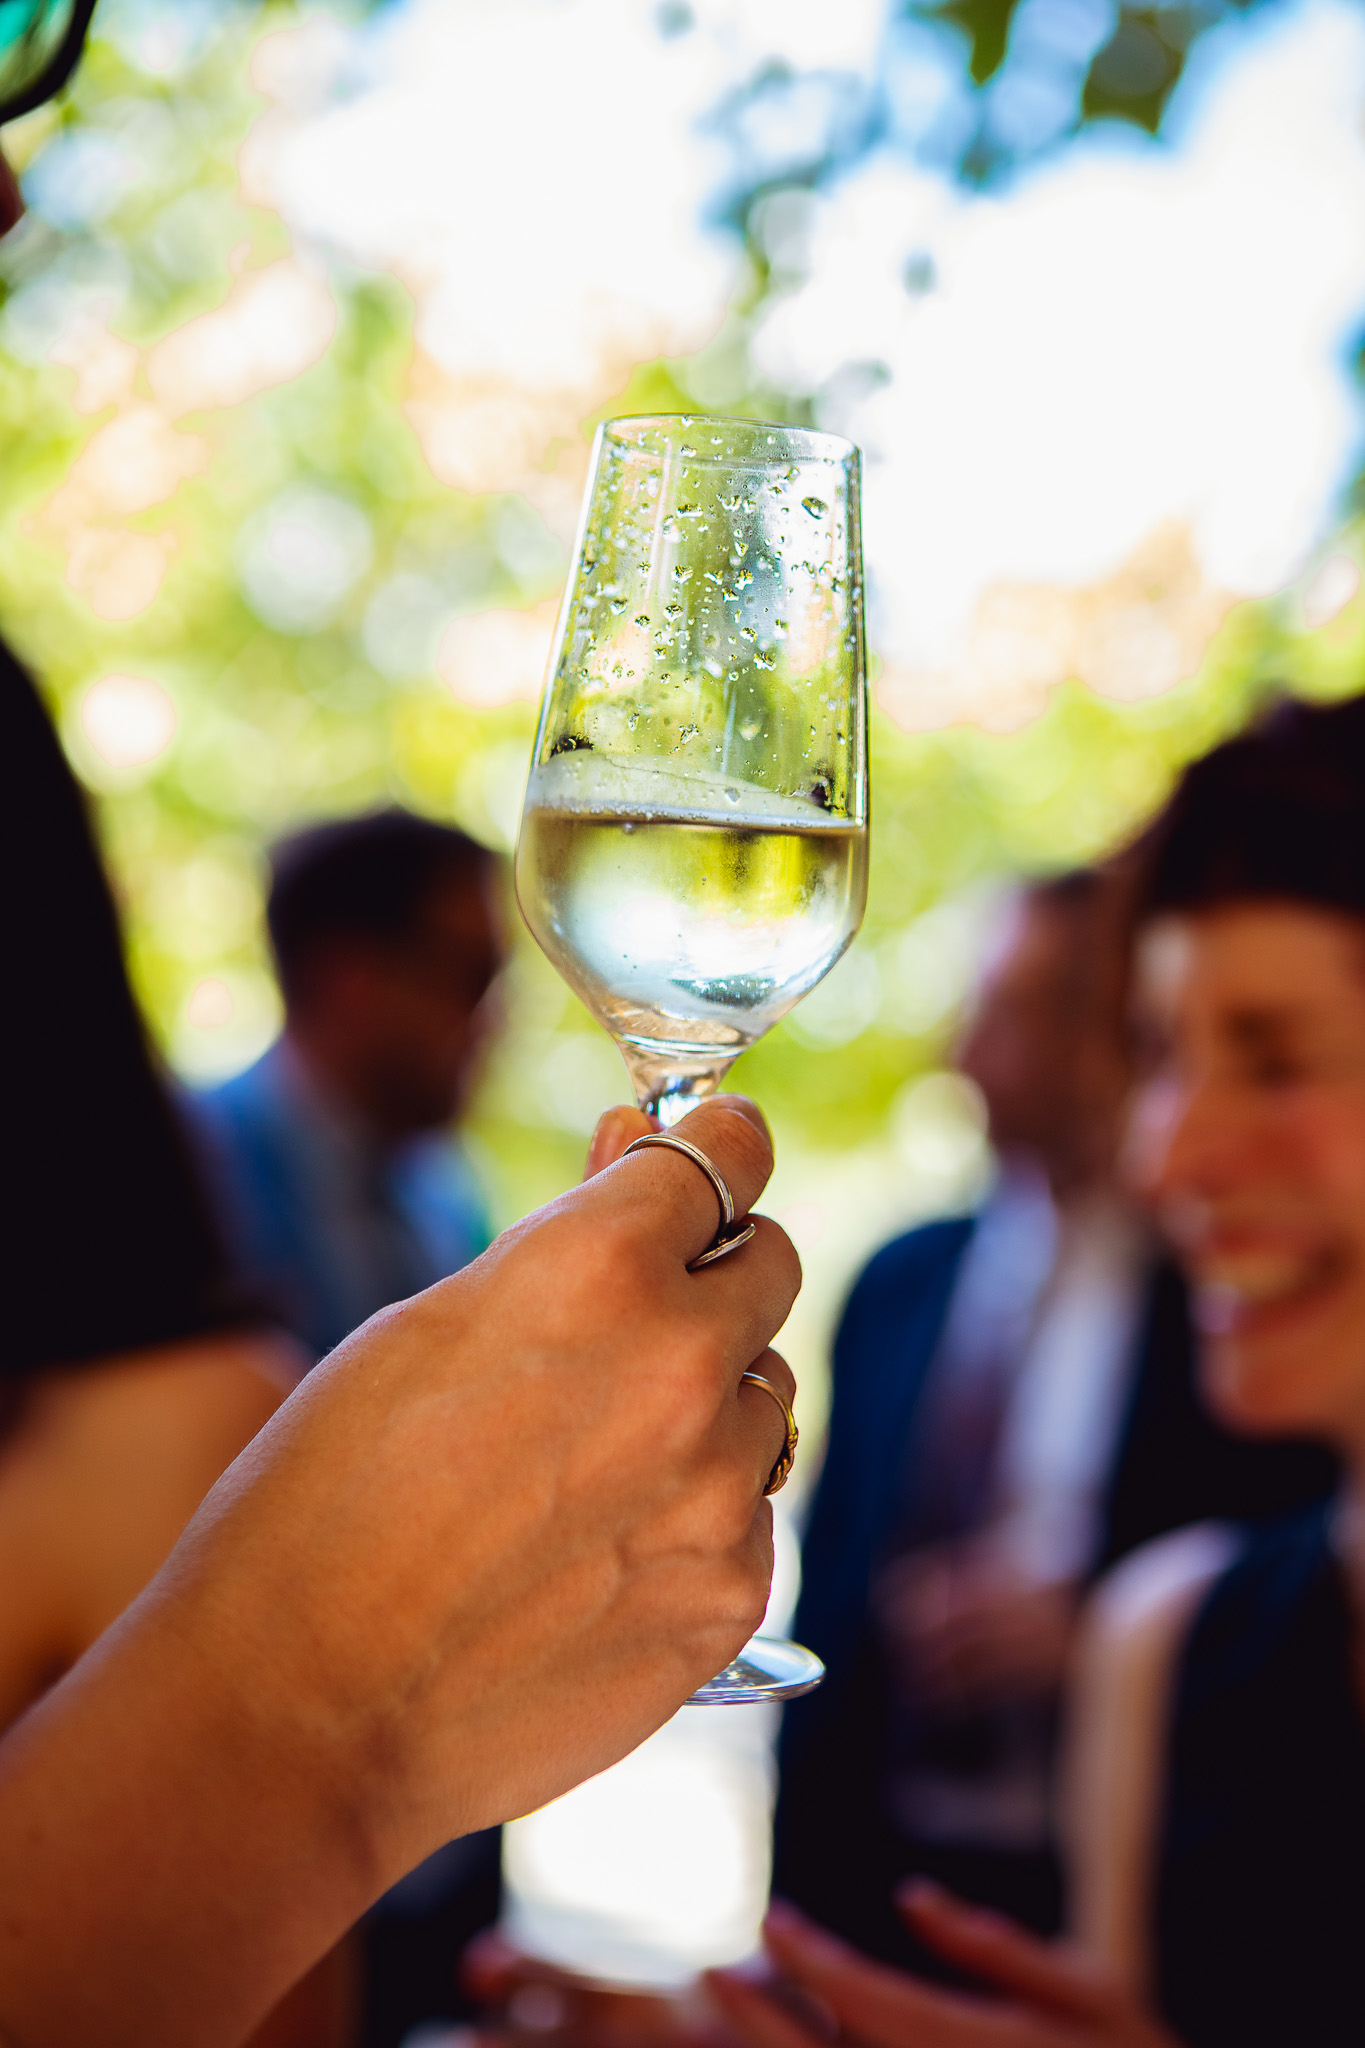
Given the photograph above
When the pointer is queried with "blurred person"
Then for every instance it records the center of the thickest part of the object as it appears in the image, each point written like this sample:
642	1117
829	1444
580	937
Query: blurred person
1217	1780
341	1184
342	1188
1013	1408
132	1371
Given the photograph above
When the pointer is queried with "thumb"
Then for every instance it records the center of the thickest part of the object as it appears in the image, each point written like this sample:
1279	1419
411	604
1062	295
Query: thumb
616	1128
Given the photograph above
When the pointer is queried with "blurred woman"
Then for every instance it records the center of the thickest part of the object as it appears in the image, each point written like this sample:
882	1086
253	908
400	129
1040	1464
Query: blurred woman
1218	1784
130	1375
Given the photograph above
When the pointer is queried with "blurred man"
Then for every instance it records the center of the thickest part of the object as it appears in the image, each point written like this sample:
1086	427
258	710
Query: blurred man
1013	1407
343	1190
341	1184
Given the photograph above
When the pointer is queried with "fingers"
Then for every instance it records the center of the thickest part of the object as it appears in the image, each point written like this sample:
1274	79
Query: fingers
882	2007
746	1298
1003	1953
616	1128
756	2016
734	1137
761	1412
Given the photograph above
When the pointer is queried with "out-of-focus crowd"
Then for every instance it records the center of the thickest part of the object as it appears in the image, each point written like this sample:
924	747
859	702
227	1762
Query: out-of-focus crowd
1085	1560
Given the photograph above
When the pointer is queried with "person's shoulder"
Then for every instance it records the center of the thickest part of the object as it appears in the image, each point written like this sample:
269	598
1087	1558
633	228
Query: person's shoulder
250	1119
912	1260
214	1390
240	1093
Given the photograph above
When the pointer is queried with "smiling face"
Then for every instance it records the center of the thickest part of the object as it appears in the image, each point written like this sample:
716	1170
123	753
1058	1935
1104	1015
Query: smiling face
1248	1139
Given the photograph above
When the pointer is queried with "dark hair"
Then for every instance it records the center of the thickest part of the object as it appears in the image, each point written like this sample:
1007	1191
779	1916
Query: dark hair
1086	890
1277	812
109	1244
362	877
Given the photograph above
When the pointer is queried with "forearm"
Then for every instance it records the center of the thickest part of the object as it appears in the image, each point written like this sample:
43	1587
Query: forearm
175	1851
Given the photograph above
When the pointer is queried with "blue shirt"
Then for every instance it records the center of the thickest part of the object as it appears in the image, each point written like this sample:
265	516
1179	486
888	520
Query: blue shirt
327	1226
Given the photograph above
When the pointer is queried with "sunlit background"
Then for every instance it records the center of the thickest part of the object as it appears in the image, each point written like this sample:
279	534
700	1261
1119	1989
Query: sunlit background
301	349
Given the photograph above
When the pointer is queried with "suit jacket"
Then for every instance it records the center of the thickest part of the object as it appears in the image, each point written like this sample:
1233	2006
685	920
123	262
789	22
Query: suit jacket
834	1852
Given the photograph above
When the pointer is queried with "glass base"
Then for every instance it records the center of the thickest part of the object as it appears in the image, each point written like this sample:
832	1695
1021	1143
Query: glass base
768	1668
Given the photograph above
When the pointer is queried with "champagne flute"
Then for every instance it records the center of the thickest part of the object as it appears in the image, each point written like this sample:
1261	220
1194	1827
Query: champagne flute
693	848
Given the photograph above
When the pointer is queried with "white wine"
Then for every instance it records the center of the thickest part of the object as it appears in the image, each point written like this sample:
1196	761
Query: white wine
688	913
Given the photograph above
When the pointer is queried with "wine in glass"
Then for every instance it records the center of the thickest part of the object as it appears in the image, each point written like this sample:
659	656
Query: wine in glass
693	849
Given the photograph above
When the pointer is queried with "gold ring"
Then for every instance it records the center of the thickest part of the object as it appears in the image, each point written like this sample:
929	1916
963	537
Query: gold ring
781	1471
731	1235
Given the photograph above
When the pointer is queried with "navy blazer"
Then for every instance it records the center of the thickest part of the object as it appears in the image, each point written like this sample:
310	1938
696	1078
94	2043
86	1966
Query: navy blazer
1173	1464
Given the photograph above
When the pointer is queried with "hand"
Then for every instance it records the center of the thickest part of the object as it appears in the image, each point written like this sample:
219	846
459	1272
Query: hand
1056	1997
969	1629
487	1547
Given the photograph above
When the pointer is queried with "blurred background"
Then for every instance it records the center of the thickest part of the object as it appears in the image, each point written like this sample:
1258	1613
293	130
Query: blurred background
302	346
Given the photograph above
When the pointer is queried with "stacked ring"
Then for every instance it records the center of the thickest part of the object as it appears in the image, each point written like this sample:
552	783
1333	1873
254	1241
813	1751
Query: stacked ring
731	1235
781	1471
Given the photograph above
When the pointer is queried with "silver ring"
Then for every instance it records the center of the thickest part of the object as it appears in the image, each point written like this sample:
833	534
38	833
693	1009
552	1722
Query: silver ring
731	1235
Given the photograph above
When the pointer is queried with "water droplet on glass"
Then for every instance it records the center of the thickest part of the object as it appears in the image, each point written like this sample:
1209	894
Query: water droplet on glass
672	611
642	618
750	729
732	796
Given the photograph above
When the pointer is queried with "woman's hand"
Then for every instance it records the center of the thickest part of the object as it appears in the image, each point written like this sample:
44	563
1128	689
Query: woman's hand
826	1992
487	1547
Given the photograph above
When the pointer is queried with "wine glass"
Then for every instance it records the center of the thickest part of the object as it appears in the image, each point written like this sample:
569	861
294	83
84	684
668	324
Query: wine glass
693	848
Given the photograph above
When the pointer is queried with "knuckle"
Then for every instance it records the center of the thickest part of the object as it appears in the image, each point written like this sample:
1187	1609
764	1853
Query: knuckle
771	1243
738	1139
740	1591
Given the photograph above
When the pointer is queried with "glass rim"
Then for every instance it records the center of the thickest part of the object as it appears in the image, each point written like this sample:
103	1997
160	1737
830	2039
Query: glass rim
767	440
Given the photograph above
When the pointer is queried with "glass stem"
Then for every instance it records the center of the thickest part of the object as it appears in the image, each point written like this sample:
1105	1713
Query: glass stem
669	1086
